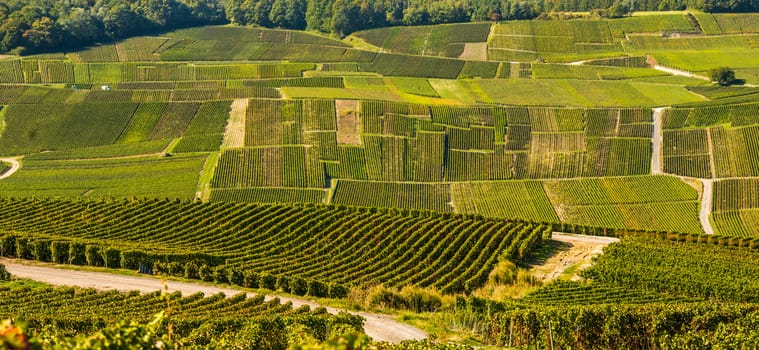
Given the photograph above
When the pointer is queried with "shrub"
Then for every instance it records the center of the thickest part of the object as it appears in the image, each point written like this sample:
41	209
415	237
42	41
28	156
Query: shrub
160	268
93	256
205	273
267	281
283	283
77	253
41	250
59	252
131	259
220	274
298	286
338	291
317	289
175	269
191	270
421	300
235	277
23	248
386	298
8	246
111	257
250	279
4	274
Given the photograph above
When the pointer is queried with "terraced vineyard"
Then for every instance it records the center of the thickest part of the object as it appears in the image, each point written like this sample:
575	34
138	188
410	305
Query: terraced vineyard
364	246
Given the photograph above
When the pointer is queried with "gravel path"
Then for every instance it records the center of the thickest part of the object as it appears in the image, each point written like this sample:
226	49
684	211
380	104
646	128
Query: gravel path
379	327
706	205
15	165
656	142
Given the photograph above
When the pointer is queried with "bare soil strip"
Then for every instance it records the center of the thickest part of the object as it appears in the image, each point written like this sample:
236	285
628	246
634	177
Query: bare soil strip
577	253
348	122
379	327
234	135
475	52
657	140
706	205
15	165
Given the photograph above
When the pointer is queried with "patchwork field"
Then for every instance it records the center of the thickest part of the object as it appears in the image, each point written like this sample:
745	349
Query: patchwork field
421	169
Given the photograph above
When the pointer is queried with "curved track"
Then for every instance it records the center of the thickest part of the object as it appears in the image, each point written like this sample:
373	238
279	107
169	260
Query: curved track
15	165
379	327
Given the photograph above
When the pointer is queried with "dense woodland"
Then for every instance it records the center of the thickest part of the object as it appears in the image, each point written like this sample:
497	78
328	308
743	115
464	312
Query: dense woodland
31	26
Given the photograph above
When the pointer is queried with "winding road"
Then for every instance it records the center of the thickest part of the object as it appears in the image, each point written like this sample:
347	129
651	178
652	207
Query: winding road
379	327
15	165
706	205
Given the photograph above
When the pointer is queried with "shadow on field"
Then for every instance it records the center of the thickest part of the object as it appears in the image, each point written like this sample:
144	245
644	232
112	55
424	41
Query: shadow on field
539	255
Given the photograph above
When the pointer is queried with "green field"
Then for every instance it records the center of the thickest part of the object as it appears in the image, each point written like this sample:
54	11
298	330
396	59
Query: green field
175	177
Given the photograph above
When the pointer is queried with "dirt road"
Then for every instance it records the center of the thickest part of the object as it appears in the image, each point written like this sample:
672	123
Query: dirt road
15	165
656	142
379	327
577	252
706	205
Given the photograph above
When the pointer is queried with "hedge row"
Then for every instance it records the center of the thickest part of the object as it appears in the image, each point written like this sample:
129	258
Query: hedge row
192	265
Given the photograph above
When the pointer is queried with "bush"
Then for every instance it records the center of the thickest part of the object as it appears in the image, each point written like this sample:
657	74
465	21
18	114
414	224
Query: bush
111	258
338	291
386	298
191	270
235	277
160	268
175	269
4	274
93	256
250	279
41	250
283	283
205	273
23	248
220	274
317	289
77	253
131	259
59	252
421	300
298	286
8	246
267	281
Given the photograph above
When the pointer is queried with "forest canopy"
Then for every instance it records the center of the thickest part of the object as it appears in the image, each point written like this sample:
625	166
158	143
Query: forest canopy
32	26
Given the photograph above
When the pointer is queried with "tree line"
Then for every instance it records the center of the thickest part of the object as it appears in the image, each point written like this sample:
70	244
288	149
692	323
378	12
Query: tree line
32	26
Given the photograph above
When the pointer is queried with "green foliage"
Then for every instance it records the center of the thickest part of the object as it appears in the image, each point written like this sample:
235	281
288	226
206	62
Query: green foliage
443	243
170	177
640	263
723	76
4	274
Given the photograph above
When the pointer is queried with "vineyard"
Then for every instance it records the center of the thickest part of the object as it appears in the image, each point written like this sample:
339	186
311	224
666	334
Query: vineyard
735	209
678	268
712	141
421	169
644	203
354	247
195	319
